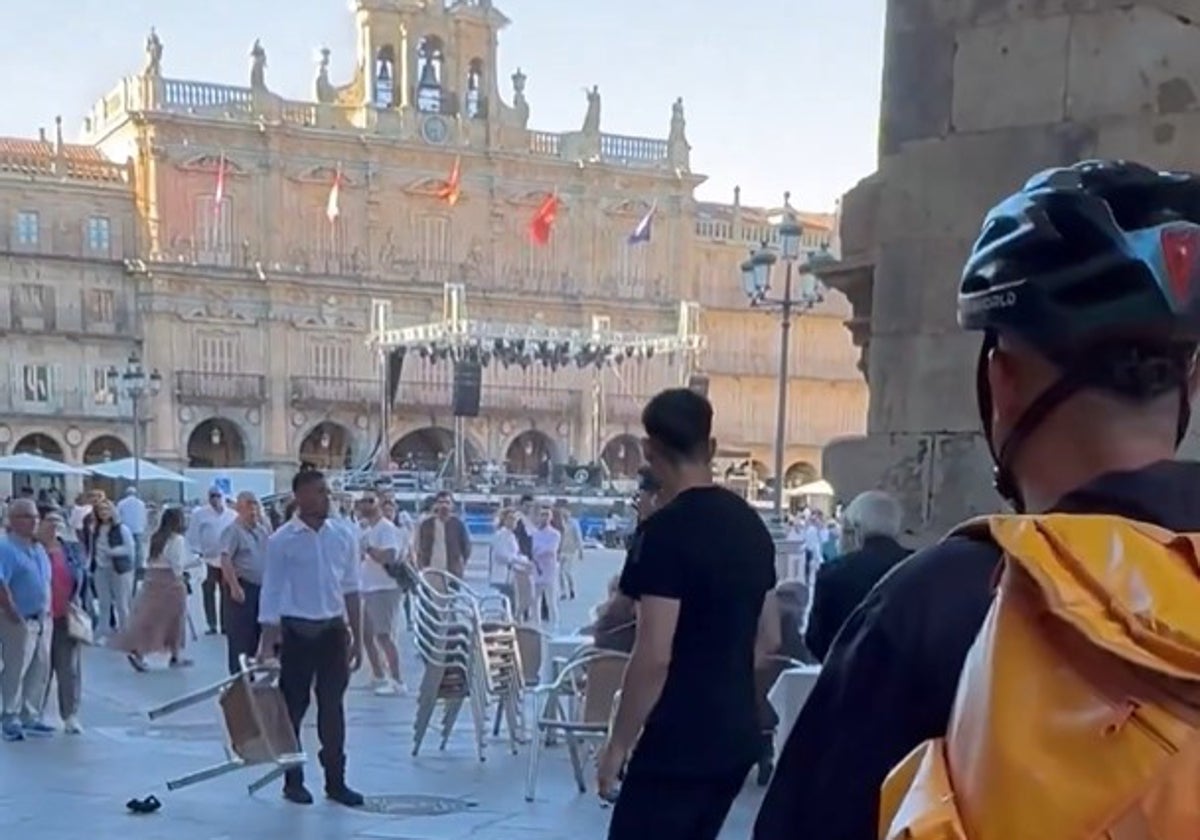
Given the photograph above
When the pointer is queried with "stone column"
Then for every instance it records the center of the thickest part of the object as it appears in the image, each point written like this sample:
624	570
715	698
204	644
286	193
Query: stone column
978	96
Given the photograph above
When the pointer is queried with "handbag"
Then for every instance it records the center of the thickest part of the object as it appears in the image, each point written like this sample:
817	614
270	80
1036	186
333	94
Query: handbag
79	624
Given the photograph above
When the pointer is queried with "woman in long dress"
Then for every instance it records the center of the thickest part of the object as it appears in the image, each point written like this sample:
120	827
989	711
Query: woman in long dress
157	623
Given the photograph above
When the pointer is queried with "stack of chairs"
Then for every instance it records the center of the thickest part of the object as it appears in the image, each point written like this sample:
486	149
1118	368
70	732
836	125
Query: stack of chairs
469	647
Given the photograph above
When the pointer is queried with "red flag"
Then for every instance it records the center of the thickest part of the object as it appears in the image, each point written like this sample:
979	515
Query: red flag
542	224
450	192
219	193
333	207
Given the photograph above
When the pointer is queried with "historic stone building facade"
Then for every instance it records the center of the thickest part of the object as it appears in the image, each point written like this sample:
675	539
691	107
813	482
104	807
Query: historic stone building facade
67	302
976	98
255	298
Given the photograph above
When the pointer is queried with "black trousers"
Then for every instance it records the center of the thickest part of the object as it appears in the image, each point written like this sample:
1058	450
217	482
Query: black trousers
316	654
673	808
241	625
209	592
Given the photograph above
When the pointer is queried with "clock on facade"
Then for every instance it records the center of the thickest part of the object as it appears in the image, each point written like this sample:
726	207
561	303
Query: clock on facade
435	130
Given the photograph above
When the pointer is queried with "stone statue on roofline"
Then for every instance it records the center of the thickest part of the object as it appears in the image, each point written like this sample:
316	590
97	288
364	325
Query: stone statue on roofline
591	120
258	66
154	52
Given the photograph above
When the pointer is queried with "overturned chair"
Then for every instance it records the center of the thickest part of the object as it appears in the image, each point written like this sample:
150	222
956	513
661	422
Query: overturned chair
258	730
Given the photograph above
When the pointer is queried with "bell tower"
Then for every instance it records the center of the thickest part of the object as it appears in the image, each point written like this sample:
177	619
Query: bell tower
430	56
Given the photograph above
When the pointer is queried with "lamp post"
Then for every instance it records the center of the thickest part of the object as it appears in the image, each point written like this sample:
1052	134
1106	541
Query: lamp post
756	283
134	382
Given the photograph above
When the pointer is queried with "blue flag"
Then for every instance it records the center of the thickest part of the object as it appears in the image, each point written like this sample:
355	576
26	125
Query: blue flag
641	233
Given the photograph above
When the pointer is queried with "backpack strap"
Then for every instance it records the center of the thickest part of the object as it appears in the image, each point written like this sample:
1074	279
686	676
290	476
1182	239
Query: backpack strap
979	529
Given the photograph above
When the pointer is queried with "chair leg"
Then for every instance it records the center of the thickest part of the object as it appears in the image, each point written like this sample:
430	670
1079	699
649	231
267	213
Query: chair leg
499	716
205	774
576	761
535	757
426	702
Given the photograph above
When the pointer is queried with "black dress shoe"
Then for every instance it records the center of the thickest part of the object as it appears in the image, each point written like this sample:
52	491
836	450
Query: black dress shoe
343	795
297	794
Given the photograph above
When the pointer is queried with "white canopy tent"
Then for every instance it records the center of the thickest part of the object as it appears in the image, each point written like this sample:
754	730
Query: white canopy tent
129	468
26	462
821	487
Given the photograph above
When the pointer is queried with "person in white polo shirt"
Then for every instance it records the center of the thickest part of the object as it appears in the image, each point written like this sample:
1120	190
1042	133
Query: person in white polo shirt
383	549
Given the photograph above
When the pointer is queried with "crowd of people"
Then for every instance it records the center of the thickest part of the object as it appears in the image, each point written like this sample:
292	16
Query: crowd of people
1027	676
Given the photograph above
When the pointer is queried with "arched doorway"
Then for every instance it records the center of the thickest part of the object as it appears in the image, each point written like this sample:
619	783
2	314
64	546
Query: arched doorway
40	485
530	453
216	443
759	475
424	449
327	447
100	450
799	474
622	456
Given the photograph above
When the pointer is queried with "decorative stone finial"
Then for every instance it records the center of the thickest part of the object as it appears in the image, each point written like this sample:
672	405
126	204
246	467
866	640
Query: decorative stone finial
58	136
787	199
737	196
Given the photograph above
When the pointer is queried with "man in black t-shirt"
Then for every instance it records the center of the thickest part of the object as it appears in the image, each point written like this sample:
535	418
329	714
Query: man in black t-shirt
699	569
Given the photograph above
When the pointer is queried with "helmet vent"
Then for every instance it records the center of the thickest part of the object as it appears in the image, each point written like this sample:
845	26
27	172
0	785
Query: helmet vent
1121	282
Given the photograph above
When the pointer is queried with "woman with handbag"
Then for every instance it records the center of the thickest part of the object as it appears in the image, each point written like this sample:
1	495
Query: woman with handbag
72	625
111	545
160	611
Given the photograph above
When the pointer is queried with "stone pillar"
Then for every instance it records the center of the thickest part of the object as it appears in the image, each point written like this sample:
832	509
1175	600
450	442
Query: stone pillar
978	96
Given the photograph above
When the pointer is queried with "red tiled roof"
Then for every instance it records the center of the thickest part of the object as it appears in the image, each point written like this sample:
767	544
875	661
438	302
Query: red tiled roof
36	148
760	215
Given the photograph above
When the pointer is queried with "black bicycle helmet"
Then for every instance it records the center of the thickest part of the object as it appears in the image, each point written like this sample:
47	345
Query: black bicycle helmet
1097	266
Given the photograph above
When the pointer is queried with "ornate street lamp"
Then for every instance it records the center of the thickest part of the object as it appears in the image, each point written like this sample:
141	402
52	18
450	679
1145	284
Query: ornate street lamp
134	383
795	300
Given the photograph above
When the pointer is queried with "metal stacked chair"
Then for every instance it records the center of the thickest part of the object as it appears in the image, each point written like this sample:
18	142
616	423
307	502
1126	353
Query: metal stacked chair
469	646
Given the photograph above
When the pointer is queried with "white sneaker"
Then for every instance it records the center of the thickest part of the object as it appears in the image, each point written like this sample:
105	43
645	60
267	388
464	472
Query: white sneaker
385	688
72	726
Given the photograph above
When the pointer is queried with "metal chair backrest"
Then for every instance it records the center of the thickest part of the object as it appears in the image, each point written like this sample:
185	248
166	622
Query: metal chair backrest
593	678
532	644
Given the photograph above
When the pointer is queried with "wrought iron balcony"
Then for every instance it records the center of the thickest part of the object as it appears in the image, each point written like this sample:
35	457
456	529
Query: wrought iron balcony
193	386
320	391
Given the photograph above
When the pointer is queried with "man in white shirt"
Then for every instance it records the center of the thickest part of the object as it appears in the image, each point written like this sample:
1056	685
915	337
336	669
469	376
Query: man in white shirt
205	527
545	540
309	609
383	548
131	510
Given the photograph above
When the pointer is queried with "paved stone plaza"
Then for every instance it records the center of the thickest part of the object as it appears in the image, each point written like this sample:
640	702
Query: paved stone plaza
67	787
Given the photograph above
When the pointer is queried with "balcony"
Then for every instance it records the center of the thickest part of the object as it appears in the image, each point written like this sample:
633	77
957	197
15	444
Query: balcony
325	391
71	404
221	388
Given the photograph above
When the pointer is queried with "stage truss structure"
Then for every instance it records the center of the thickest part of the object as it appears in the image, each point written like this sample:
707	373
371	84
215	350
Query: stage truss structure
457	338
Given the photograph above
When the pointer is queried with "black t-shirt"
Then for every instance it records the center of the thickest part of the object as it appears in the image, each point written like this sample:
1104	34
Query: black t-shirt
709	550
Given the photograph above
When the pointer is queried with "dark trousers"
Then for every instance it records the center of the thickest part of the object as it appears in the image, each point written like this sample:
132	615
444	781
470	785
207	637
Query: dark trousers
673	808
209	593
241	625
317	653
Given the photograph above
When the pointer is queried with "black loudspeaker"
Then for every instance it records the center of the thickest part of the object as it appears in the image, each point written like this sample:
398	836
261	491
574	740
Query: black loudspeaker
699	384
468	382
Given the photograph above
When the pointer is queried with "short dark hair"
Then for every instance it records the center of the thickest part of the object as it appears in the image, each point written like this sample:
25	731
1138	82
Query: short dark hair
680	421
304	478
444	494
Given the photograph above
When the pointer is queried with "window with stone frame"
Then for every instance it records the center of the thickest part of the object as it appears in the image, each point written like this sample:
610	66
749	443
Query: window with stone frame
27	228
212	230
217	353
98	235
433	241
102	390
39	382
99	309
329	359
33	306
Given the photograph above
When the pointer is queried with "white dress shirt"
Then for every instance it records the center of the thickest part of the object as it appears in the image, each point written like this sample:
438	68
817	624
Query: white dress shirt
308	573
132	512
205	527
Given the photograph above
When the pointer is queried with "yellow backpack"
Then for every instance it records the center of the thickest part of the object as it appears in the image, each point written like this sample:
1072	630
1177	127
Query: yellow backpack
1078	709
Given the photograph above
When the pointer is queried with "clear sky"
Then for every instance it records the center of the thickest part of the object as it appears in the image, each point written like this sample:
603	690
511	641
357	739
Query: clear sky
780	94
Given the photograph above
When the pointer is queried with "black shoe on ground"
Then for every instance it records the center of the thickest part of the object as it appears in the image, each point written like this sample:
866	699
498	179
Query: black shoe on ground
211	631
343	795
297	793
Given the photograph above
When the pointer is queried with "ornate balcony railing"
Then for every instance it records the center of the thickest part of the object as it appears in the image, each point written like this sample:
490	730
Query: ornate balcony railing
314	391
72	402
193	386
493	399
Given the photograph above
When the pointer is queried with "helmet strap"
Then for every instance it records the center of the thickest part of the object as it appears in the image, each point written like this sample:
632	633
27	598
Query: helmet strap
1074	379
